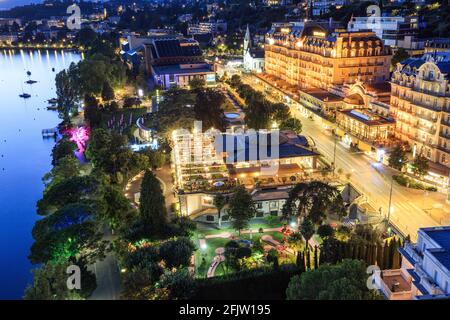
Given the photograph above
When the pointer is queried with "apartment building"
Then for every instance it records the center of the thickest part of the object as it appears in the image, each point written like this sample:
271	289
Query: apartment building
425	268
396	31
420	103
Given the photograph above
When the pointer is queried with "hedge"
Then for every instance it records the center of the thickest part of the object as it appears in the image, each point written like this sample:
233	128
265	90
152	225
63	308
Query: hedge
257	284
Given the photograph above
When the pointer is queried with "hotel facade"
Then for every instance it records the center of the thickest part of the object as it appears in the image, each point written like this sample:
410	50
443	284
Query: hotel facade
308	55
420	102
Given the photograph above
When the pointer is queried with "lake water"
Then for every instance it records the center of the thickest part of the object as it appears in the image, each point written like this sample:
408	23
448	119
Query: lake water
24	155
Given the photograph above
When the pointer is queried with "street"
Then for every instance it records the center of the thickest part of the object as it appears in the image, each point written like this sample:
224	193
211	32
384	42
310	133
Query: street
411	209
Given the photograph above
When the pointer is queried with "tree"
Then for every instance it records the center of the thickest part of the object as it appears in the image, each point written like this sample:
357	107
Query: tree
197	83
152	206
280	112
400	55
68	191
67	167
92	113
258	114
420	166
316	258
314	200
242	208
398	158
180	283
325	230
307	229
343	281
177	253
50	283
68	233
66	94
235	81
208	108
62	148
157	158
219	203
117	210
292	124
300	262
107	92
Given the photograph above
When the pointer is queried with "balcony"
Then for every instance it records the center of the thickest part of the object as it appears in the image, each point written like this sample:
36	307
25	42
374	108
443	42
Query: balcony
394	284
425	105
426	117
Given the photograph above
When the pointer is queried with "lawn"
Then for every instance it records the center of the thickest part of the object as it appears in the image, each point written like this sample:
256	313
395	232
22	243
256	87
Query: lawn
208	254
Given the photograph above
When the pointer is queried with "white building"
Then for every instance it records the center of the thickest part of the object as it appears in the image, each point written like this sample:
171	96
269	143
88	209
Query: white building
319	7
213	27
397	32
253	57
425	269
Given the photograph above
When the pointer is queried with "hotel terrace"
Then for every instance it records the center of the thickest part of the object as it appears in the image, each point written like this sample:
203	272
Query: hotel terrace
211	162
420	103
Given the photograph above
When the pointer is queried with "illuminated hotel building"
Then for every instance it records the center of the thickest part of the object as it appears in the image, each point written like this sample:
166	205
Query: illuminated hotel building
308	55
420	102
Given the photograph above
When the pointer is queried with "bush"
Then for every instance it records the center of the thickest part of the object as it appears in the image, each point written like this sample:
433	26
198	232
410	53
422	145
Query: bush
411	183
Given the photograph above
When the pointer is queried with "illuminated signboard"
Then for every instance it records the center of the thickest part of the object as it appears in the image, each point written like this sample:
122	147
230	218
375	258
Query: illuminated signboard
319	34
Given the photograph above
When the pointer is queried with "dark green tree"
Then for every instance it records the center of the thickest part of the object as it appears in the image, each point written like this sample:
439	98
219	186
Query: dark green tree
325	231
177	253
400	55
92	112
62	148
291	124
343	281
197	83
314	200
242	208
420	165
152	206
398	158
307	229
107	92
67	94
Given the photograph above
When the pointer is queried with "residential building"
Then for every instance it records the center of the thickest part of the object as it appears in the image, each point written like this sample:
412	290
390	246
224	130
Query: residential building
253	56
420	103
397	32
437	45
212	27
425	268
320	7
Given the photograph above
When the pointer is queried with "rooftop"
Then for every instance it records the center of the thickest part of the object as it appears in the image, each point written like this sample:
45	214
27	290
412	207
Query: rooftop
179	69
288	146
367	117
